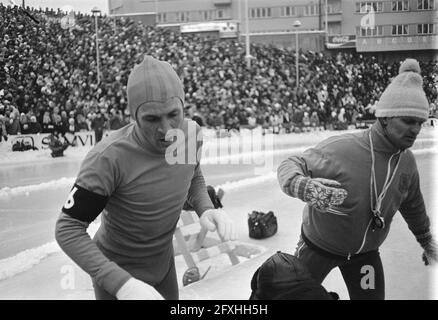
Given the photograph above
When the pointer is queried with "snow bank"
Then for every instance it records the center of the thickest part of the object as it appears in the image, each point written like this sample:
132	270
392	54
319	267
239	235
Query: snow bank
26	190
27	259
212	146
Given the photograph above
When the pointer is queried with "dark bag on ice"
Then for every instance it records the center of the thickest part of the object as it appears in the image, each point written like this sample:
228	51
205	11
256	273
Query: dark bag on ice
284	277
262	225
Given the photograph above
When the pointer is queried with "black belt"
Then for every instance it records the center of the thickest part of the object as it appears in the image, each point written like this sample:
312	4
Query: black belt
330	255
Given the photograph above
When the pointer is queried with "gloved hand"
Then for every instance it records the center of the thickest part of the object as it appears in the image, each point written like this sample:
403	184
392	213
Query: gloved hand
135	289
430	255
218	218
318	192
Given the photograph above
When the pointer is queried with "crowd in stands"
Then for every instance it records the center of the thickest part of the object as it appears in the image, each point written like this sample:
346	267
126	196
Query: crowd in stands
48	78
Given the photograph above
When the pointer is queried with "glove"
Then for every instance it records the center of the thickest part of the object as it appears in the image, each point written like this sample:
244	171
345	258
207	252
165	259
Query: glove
135	289
430	256
218	218
429	246
318	192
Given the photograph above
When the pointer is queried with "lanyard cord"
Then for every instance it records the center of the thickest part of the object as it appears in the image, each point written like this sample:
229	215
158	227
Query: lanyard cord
388	180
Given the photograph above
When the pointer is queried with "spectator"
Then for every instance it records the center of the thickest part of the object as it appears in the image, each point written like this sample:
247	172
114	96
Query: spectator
48	126
306	120
71	126
34	126
342	121
24	124
81	124
59	71
115	122
56	145
370	109
3	133
57	123
314	120
13	125
98	125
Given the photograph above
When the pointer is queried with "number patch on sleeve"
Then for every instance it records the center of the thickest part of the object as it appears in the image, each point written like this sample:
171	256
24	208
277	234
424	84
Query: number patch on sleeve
70	200
83	204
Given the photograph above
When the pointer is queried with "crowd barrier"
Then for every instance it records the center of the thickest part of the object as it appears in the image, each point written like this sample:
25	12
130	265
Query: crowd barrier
87	139
41	141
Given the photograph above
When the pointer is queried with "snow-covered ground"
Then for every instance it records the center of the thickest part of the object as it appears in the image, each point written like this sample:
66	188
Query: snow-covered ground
33	267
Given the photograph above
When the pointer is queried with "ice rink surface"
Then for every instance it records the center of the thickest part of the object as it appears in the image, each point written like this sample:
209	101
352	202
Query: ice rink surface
33	267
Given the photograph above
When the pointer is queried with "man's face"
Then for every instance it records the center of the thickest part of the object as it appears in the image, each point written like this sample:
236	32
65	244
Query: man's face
155	119
403	131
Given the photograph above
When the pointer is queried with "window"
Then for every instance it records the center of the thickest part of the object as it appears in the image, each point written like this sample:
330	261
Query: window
368	32
399	29
260	12
365	7
425	4
162	18
400	5
311	10
220	14
287	11
425	28
206	15
183	16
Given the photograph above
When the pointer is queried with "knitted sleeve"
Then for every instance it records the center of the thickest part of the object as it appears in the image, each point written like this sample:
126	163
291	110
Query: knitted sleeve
198	196
96	181
292	172
414	213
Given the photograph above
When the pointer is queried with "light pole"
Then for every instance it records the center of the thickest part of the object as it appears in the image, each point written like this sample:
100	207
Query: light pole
326	21
95	12
248	55
296	25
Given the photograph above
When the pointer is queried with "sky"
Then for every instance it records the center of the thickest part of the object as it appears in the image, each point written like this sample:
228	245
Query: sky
84	6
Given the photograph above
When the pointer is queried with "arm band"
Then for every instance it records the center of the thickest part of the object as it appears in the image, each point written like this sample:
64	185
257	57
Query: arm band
84	205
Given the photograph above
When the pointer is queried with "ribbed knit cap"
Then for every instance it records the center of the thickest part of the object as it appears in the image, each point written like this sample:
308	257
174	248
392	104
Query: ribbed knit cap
152	80
404	96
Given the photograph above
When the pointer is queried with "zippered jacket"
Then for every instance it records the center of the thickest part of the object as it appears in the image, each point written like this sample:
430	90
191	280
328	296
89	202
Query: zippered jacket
347	229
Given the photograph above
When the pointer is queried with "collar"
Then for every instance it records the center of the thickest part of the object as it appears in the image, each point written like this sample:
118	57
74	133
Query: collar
380	139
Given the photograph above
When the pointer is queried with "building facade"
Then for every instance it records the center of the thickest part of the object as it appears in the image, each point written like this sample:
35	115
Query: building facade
377	26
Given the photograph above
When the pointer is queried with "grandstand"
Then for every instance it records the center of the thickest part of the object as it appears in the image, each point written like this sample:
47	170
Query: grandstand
50	73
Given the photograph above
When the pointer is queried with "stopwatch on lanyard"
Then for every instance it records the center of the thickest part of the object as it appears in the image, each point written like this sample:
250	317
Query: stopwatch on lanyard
377	199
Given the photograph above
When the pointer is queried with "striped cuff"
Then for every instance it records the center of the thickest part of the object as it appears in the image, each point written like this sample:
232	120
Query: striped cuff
297	186
424	238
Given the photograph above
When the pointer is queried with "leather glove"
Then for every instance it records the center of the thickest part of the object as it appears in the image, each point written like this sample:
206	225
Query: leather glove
213	219
135	289
318	192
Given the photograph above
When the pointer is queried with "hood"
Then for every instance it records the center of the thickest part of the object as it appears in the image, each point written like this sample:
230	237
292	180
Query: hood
152	81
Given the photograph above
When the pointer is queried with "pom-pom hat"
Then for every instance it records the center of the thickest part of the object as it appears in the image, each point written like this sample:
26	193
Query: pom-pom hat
404	96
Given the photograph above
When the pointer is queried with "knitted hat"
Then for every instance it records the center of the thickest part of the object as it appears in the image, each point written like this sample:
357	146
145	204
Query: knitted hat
404	96
152	80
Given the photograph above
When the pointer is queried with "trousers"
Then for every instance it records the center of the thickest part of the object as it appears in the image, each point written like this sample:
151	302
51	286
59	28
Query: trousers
363	273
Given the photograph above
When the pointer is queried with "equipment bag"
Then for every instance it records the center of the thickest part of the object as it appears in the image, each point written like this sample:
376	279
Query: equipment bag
262	225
